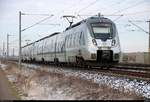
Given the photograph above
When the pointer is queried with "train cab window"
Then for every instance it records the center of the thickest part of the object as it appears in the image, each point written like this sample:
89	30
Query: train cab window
102	31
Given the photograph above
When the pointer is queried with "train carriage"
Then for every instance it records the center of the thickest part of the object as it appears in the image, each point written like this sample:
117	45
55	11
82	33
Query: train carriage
94	39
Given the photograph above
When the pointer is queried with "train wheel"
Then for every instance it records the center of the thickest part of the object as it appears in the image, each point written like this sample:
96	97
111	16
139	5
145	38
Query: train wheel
56	61
89	67
80	62
43	60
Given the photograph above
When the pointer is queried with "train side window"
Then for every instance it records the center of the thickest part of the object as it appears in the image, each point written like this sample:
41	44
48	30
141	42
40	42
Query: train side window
58	45
67	41
73	37
78	40
74	40
62	46
52	44
82	38
71	41
37	48
47	45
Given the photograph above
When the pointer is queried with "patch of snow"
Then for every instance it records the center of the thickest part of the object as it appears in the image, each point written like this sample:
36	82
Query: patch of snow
121	83
42	92
11	78
31	65
3	66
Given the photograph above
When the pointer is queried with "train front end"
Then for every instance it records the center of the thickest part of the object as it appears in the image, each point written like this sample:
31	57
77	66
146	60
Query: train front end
104	45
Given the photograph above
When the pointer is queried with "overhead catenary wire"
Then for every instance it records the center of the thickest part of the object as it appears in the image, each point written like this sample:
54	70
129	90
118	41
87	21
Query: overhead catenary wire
43	14
129	7
124	9
24	36
50	24
138	27
118	18
79	15
137	13
103	15
49	16
92	3
17	39
37	23
105	8
35	14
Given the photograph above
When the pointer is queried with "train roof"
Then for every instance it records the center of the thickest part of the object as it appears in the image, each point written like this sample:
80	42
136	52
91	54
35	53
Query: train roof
91	20
42	38
88	20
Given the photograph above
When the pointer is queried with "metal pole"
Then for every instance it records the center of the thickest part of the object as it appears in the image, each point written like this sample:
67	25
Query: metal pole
3	49
7	46
149	42
19	39
13	52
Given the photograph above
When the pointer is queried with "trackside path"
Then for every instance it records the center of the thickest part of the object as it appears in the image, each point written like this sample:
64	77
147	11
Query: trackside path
6	92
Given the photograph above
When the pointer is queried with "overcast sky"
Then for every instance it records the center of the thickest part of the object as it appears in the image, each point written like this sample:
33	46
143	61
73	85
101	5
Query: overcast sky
132	39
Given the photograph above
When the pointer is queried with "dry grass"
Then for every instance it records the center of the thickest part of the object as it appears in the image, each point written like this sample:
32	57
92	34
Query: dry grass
70	86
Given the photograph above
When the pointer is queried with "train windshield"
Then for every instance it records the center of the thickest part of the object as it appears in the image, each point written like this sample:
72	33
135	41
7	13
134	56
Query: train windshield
102	31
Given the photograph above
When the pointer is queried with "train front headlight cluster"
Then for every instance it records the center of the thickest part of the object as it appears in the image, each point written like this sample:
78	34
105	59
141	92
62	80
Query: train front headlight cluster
113	43
93	56
94	42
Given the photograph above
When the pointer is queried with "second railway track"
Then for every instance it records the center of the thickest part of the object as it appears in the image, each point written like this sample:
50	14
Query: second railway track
129	70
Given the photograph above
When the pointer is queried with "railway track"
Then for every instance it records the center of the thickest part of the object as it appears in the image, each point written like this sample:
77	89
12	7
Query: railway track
129	70
120	69
135	70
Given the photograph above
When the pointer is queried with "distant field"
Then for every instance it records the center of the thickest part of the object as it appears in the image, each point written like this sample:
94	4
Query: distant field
135	57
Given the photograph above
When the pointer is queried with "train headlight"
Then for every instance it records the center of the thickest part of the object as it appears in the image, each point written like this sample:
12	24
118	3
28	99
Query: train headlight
113	42
94	42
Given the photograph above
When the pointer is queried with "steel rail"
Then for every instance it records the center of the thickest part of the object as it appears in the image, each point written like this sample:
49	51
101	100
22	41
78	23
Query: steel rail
135	70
